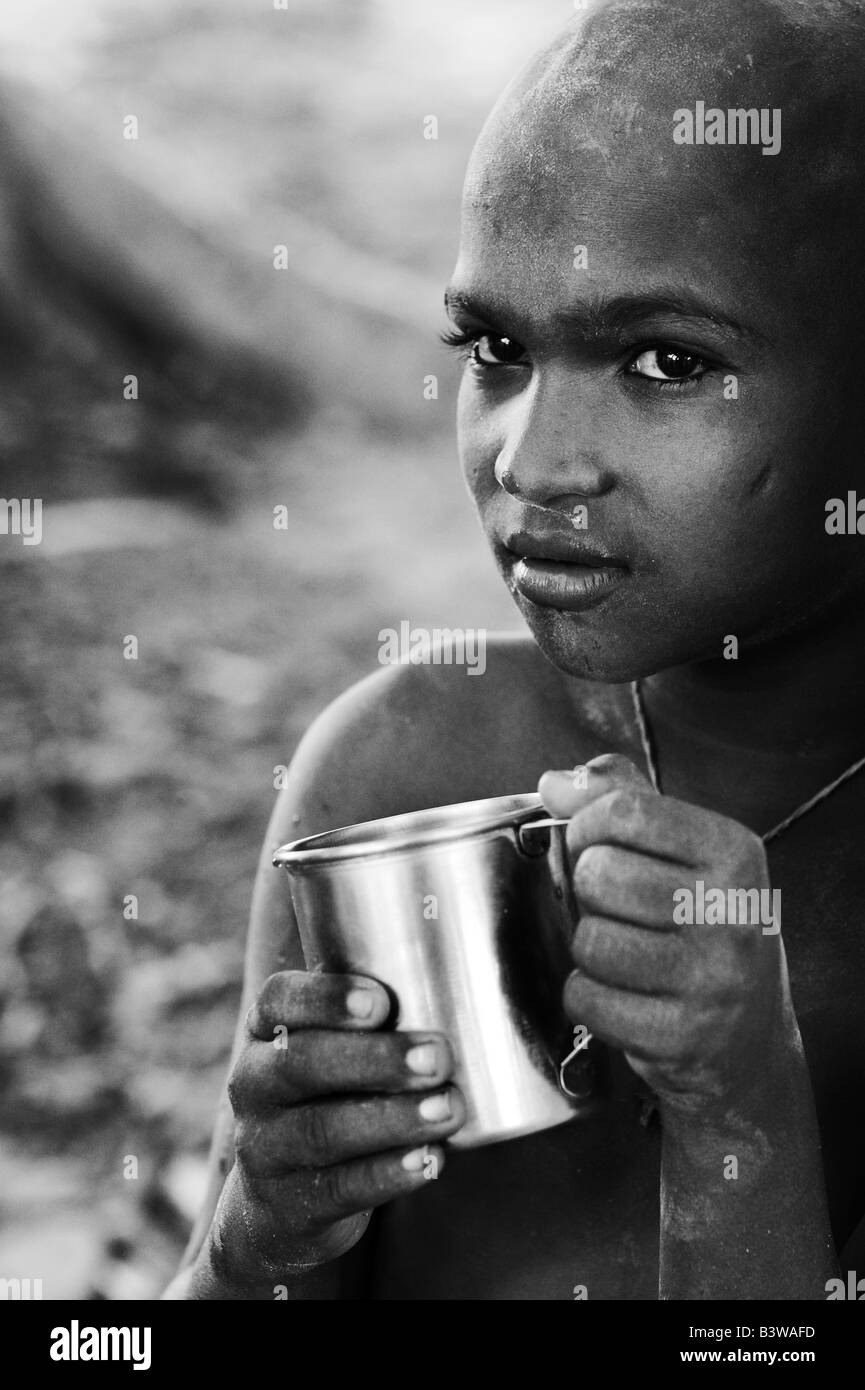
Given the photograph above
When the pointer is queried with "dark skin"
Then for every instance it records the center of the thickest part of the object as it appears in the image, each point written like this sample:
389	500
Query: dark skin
605	387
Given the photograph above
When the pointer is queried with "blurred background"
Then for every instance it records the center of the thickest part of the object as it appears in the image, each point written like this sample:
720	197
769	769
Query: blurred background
134	793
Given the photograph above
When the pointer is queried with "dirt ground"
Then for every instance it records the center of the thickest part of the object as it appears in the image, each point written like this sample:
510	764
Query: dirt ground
134	793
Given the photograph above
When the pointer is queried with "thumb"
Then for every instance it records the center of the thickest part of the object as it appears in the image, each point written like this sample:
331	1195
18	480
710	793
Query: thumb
565	793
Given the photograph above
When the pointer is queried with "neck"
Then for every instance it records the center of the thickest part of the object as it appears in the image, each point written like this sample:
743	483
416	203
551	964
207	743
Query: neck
803	694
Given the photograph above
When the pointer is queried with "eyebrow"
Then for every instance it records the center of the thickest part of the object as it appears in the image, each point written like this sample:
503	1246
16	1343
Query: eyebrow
599	318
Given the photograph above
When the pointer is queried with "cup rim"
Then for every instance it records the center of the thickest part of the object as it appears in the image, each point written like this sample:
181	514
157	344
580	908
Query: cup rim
464	820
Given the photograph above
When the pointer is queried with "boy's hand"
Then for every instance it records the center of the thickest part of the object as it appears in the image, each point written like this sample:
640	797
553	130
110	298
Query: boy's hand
333	1118
696	1009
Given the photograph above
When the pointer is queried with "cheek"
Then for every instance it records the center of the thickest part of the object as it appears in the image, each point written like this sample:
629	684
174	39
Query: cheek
745	530
478	449
742	491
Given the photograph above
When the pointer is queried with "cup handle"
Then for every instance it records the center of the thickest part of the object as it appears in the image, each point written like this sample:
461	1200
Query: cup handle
542	825
557	861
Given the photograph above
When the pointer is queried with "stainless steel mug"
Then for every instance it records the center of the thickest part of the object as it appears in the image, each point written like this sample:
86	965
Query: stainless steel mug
464	914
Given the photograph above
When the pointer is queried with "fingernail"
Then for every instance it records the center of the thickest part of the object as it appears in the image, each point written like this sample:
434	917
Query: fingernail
415	1161
423	1060
435	1108
360	1002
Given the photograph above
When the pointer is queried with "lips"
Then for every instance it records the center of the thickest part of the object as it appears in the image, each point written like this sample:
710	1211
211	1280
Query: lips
565	550
554	571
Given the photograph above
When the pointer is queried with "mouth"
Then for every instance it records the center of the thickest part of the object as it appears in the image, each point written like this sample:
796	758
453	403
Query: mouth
560	572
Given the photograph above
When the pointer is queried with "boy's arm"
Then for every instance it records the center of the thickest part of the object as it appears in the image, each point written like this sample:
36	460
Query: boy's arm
743	1205
700	1005
342	772
273	944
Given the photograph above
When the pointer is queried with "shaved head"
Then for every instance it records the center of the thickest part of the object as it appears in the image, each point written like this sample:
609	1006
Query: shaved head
607	88
626	54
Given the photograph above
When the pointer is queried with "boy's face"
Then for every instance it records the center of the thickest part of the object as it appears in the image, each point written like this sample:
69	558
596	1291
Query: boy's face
694	385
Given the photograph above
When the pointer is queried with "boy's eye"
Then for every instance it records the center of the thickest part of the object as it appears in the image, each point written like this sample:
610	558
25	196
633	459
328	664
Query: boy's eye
668	364
490	350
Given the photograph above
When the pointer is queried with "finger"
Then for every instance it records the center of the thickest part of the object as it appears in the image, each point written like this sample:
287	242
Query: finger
643	1025
652	824
627	885
314	1063
327	1132
615	953
317	1197
563	793
311	999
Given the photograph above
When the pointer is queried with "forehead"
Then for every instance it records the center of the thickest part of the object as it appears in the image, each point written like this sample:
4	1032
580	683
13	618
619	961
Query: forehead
645	220
580	152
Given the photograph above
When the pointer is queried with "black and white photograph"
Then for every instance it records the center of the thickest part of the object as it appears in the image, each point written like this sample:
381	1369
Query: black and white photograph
432	550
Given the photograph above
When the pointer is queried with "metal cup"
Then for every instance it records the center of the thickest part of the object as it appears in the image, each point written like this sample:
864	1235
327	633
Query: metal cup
464	914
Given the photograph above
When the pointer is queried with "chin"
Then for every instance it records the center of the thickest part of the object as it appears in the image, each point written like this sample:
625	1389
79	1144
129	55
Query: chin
595	648
578	646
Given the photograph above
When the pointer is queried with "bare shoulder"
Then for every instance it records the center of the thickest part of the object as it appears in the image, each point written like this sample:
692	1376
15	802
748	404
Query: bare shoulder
413	736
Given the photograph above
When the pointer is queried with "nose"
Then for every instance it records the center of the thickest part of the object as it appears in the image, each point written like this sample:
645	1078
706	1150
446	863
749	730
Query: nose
552	451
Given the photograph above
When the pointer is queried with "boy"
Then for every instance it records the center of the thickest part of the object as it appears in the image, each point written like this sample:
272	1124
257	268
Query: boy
660	397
